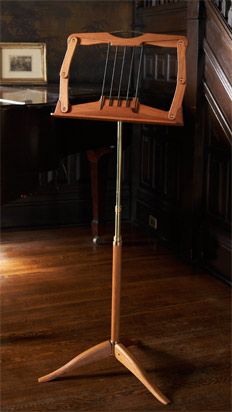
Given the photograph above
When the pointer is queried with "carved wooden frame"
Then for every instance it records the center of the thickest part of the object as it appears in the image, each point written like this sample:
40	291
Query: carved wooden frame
136	113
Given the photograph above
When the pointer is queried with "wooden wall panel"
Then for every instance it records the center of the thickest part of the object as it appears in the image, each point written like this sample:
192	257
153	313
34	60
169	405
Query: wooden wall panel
215	228
156	190
53	21
218	202
165	17
186	179
218	83
160	64
219	38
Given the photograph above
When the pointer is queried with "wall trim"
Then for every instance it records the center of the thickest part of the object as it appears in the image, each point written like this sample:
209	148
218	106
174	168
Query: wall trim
217	68
218	113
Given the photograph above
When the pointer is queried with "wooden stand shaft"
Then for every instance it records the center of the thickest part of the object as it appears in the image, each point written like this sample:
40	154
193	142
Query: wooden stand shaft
116	293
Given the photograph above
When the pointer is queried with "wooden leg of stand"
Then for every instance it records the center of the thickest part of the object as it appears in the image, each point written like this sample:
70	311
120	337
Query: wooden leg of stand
127	359
96	353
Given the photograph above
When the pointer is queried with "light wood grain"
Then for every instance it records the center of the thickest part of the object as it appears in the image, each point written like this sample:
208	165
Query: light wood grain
94	354
116	290
144	114
146	38
51	309
111	110
128	360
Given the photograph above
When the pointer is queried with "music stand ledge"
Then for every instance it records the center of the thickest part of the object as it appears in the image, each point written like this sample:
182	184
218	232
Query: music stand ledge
108	108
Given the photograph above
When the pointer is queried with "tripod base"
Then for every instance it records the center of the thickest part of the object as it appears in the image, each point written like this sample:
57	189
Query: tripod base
102	351
113	347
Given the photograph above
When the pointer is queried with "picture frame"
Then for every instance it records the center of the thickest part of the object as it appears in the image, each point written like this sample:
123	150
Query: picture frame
23	63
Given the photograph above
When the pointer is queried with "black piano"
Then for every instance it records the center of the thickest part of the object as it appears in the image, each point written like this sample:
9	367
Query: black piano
34	142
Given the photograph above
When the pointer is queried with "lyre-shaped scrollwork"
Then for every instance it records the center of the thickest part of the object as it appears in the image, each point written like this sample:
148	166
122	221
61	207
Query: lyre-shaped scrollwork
118	107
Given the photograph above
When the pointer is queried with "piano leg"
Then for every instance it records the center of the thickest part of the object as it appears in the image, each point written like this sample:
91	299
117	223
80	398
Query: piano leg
94	157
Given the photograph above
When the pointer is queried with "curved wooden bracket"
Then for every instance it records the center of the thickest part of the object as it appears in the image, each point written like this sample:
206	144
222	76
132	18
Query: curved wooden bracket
181	81
64	73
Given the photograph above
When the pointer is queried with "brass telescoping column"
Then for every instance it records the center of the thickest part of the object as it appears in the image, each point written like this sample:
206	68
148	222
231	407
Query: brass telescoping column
117	245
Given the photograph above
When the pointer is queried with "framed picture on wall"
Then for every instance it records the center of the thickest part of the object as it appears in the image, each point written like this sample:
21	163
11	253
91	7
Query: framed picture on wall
23	63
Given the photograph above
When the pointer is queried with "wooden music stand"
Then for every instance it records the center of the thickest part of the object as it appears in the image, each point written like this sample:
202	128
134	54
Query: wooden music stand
128	109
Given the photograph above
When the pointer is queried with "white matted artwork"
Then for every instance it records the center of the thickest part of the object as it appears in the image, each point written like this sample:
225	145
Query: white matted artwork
23	63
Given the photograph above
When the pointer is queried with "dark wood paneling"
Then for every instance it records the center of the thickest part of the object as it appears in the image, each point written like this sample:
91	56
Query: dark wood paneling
224	7
158	77
171	184
158	189
53	21
219	38
164	18
218	82
218	202
193	33
215	229
160	65
221	123
185	180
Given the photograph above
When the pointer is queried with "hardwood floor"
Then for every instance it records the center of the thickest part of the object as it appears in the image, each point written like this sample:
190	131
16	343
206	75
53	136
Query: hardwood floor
56	300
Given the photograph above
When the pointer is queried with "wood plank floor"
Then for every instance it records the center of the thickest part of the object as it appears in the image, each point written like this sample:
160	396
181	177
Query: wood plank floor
56	294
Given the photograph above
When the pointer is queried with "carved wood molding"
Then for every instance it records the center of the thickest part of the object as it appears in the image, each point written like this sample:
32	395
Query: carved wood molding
160	7
219	39
218	113
216	14
217	82
218	69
